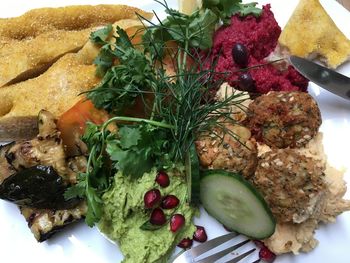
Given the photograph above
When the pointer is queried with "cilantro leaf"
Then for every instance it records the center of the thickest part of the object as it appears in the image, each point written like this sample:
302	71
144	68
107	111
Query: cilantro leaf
121	83
94	203
77	190
227	8
139	148
205	24
132	155
100	36
196	29
148	226
129	136
123	39
103	61
250	9
95	181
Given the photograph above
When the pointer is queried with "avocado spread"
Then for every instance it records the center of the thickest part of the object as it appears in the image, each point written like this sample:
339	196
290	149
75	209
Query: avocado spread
124	213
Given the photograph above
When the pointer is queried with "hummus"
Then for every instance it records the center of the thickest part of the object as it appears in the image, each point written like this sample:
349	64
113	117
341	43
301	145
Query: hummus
124	213
299	237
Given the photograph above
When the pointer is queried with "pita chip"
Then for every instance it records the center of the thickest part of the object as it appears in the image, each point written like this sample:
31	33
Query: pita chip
310	33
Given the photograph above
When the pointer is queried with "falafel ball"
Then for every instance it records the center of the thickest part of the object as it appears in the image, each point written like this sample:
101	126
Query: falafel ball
284	119
233	151
290	183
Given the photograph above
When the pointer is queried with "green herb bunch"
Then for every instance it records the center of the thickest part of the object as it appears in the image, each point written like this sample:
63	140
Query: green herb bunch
181	105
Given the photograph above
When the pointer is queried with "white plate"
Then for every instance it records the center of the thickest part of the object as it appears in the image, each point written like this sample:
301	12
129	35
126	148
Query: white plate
82	244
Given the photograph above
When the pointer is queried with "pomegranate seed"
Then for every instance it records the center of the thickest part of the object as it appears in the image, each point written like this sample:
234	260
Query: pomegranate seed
162	179
169	202
176	222
185	243
157	217
267	255
200	235
152	198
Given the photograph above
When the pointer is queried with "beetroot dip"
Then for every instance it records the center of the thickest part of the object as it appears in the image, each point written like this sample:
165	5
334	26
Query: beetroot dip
259	35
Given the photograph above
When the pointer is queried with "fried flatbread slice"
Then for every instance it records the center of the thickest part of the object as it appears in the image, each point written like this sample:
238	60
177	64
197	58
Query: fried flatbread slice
57	89
310	32
29	44
38	21
24	59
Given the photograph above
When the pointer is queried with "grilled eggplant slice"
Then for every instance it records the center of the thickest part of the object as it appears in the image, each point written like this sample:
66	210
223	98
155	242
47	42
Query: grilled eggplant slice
5	168
38	186
18	128
35	173
44	223
46	149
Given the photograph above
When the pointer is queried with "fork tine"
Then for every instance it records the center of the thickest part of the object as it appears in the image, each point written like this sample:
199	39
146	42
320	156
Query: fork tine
242	256
222	253
200	249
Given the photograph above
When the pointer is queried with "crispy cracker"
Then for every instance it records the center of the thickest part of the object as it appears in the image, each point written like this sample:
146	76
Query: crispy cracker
38	21
57	89
29	44
311	32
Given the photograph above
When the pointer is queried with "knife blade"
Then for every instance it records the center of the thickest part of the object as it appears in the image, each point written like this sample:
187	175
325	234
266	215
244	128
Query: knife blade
322	76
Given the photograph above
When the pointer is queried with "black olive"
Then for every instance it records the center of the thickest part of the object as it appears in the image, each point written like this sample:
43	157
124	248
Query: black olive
246	82
240	55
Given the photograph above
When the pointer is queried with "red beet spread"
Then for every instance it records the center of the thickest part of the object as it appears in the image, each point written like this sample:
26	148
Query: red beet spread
260	36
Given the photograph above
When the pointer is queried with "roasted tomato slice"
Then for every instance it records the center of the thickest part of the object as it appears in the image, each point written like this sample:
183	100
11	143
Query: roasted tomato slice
72	123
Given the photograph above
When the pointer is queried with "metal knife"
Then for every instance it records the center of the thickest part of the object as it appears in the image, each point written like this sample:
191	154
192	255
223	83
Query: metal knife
322	76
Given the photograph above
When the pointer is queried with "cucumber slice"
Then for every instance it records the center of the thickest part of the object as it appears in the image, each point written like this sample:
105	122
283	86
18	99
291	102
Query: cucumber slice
235	203
192	175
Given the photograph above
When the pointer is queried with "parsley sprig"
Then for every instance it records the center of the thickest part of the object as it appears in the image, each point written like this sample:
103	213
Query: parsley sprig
225	9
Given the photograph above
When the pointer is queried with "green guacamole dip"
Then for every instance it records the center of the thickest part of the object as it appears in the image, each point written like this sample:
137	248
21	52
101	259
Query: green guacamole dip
124	213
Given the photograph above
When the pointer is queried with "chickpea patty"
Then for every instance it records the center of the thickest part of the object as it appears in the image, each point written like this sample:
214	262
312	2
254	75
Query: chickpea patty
284	119
234	154
290	183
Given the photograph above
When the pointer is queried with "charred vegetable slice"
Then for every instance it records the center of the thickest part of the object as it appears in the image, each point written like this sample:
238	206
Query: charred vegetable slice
38	186
18	128
5	168
44	223
234	202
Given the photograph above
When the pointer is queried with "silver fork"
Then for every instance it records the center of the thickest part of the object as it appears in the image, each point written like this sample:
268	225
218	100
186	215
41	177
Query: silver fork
193	255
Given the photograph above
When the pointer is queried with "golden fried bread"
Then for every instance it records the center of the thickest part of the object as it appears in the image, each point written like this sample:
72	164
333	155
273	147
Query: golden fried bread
23	59
131	26
57	89
311	32
29	44
38	21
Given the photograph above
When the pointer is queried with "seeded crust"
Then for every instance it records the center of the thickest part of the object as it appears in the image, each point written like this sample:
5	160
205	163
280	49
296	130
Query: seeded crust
284	119
30	43
290	183
232	154
59	88
43	20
